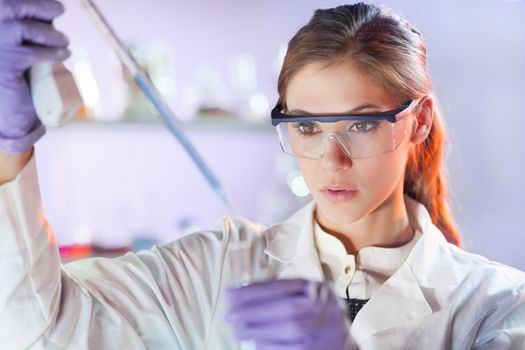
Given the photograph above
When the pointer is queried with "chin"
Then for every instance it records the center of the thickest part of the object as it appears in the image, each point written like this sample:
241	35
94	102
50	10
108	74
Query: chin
341	213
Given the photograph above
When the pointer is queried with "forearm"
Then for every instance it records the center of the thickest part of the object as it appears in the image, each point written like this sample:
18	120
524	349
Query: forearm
12	164
30	268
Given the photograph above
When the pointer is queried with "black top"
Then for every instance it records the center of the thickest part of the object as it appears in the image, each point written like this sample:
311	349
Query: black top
354	305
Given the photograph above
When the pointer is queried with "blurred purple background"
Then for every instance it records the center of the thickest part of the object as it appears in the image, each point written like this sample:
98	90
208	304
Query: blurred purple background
112	182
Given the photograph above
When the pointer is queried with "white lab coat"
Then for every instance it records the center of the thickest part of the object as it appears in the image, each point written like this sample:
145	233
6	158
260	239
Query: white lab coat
170	297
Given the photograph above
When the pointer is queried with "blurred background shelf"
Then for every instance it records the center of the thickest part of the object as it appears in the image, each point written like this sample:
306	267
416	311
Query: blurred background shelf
112	182
195	125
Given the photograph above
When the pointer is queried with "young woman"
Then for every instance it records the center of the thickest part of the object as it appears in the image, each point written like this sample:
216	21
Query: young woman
373	262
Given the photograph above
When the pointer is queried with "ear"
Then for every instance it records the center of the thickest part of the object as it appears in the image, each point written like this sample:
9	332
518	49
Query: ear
423	121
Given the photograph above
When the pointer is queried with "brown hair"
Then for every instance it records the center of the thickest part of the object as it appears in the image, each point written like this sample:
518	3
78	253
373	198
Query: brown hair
390	50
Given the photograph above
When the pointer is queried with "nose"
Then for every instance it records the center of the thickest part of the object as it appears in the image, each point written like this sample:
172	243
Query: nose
334	156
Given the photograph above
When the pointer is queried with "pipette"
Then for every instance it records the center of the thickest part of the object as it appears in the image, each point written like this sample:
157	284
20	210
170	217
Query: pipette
151	92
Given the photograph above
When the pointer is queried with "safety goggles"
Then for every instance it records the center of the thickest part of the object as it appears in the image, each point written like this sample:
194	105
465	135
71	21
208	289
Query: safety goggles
358	135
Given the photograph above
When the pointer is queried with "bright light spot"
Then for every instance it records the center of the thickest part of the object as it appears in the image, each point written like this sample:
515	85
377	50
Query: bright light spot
87	84
259	105
292	175
166	86
280	57
245	72
193	95
83	235
299	187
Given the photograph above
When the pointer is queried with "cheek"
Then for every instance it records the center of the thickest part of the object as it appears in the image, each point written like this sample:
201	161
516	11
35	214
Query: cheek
381	174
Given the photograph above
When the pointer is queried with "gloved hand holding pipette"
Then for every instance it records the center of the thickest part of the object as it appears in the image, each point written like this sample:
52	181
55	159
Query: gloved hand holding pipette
26	39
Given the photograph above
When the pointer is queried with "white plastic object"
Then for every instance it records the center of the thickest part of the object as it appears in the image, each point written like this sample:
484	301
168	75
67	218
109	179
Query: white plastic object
56	96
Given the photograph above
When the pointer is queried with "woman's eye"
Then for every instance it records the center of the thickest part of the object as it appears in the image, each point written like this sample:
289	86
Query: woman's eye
307	128
362	127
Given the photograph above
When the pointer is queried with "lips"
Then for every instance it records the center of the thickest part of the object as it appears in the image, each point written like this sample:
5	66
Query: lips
338	193
338	188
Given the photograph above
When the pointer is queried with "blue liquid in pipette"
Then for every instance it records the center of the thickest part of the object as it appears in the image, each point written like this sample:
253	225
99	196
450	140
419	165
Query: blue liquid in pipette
169	120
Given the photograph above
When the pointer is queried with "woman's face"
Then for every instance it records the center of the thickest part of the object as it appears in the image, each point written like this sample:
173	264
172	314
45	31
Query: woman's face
372	181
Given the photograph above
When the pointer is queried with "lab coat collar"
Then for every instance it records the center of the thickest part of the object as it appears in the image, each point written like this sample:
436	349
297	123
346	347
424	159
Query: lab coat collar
292	244
430	260
429	265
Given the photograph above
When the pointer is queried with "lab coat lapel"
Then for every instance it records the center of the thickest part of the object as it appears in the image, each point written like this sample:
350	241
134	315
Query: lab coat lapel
292	244
400	299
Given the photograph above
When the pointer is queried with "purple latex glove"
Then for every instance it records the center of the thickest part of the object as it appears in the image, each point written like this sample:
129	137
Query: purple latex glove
289	314
26	38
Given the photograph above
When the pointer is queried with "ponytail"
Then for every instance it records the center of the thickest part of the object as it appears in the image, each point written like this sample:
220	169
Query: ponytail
425	178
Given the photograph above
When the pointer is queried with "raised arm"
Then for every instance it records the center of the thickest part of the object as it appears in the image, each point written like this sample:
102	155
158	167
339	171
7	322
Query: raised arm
164	298
158	299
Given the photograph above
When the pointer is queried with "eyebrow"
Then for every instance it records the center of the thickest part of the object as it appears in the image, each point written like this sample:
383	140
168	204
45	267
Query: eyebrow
357	109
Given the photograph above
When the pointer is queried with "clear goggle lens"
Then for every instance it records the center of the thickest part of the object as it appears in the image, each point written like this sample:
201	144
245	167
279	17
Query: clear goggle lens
357	138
